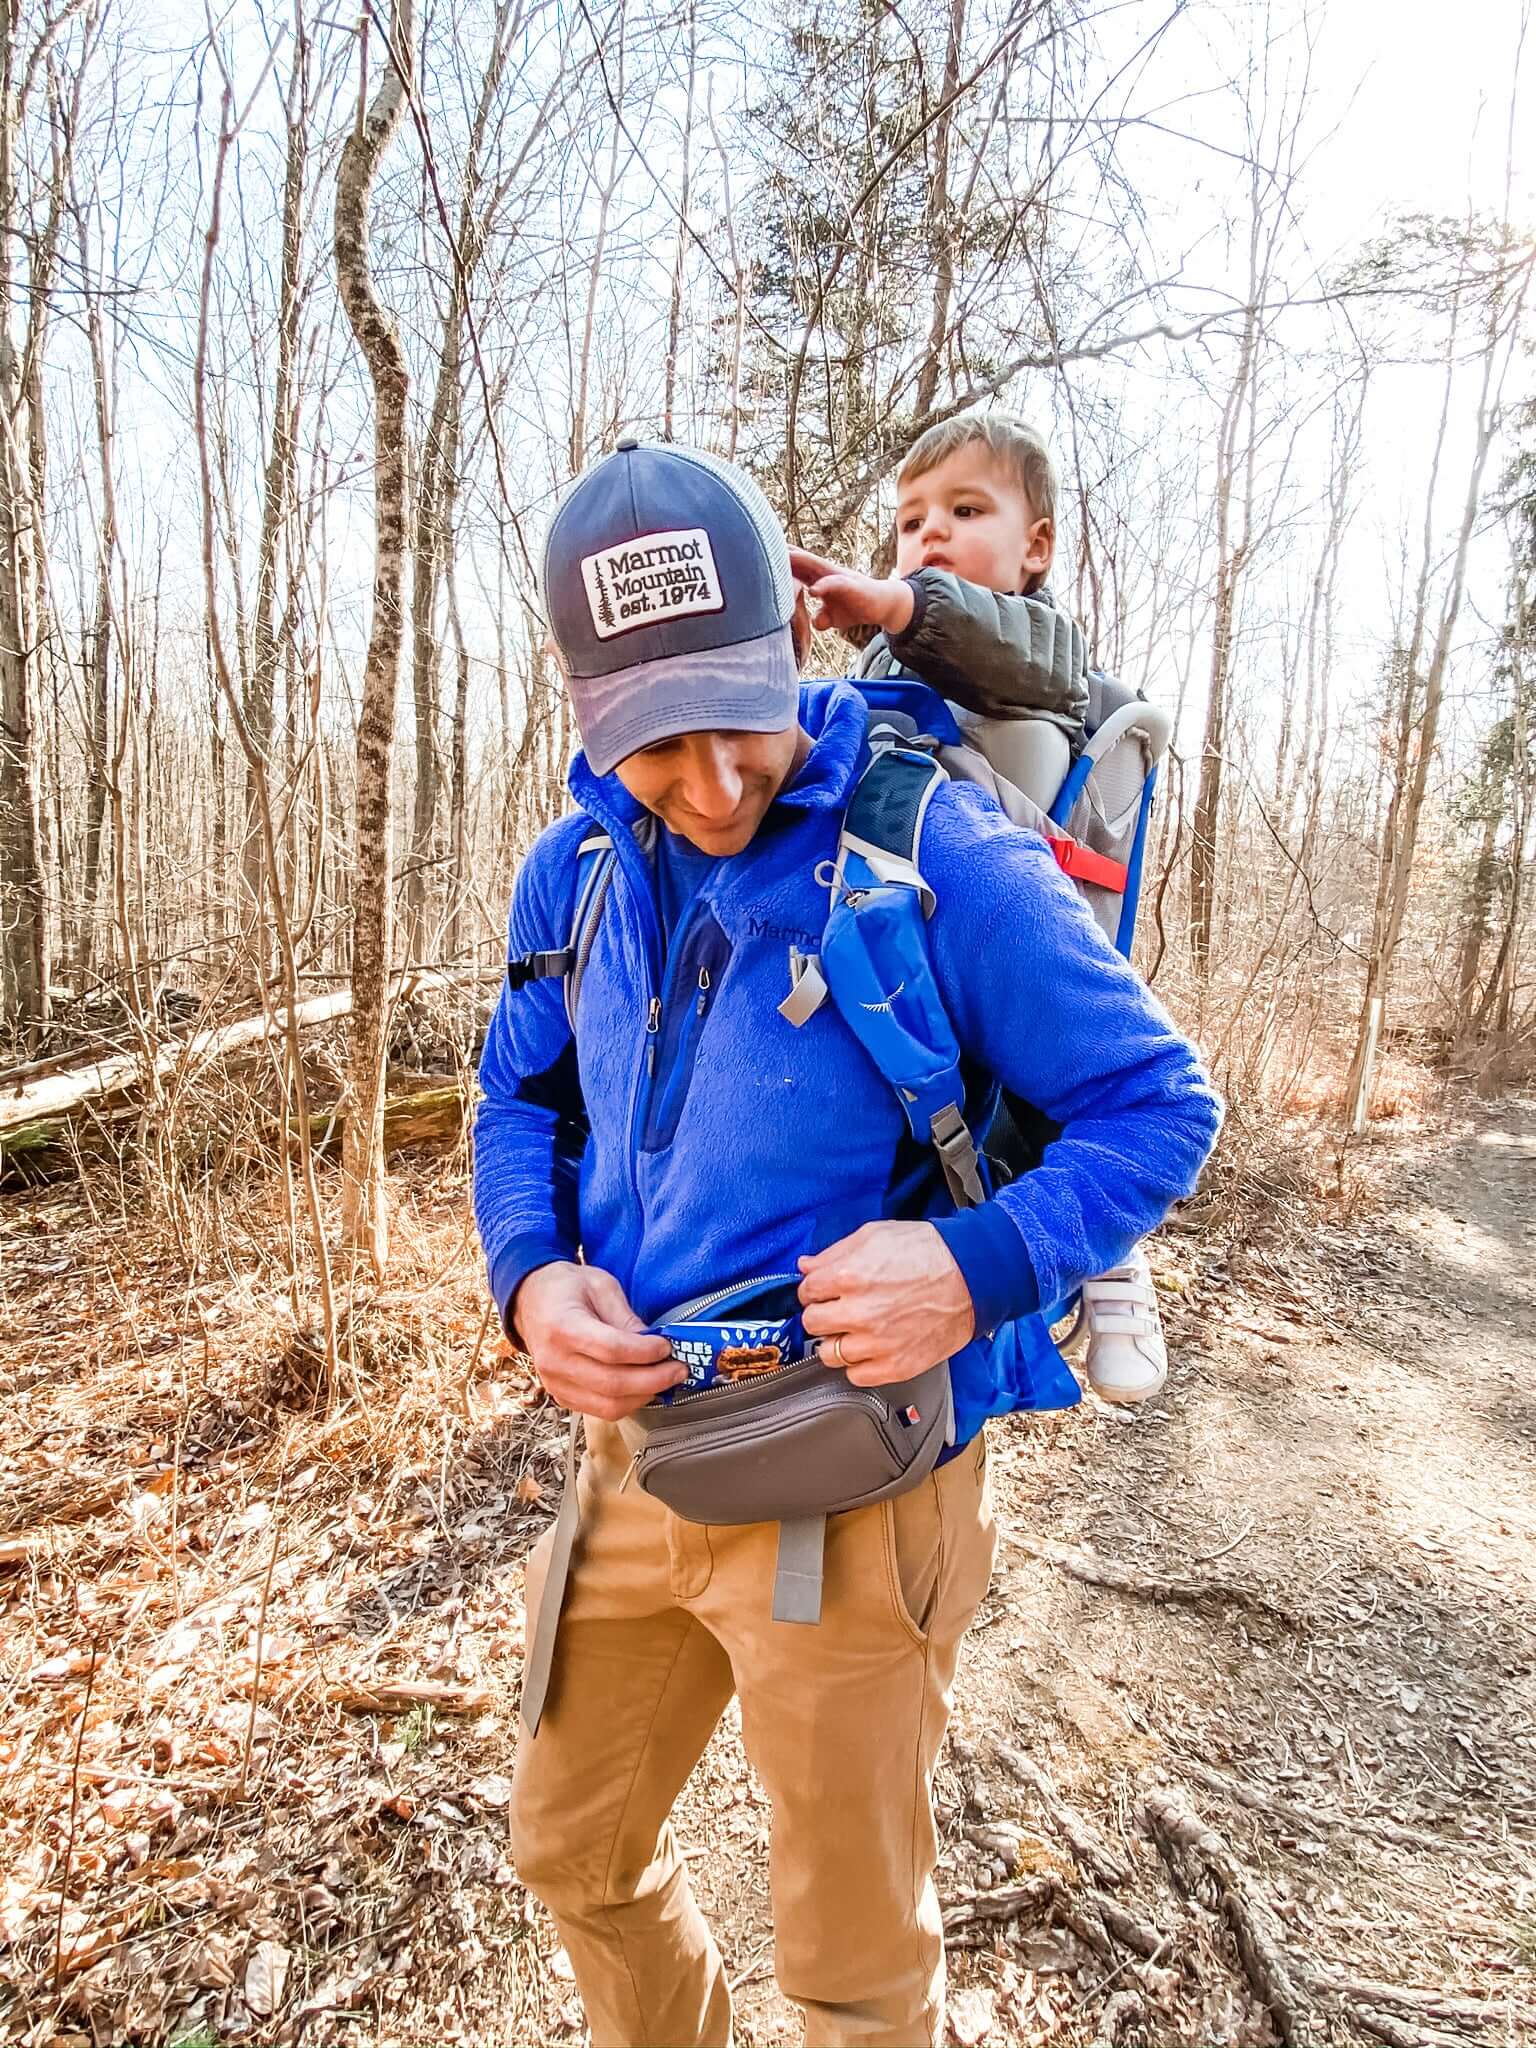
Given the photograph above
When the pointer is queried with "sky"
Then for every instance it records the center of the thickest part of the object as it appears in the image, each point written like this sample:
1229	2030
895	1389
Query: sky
1403	115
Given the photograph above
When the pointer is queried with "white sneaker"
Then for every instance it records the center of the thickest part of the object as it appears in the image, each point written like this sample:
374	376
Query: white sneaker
1127	1357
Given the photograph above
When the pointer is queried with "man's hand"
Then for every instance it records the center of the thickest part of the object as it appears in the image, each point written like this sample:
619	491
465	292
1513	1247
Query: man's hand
589	1348
892	1298
845	598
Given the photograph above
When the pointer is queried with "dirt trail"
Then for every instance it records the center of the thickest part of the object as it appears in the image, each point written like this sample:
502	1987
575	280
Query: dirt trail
1347	1457
1296	1599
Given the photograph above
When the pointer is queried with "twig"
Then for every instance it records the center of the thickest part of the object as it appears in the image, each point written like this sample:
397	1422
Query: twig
749	1968
1248	1915
1226	1549
261	1636
74	1808
397	1695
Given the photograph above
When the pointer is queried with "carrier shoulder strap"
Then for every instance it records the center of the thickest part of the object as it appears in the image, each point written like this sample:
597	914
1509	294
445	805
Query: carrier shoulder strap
881	845
594	877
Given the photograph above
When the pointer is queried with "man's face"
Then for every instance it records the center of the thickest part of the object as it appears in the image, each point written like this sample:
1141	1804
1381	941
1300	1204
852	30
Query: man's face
714	788
969	516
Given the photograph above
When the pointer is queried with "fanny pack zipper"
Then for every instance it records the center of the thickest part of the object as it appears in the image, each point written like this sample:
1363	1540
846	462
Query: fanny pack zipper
691	1311
754	1379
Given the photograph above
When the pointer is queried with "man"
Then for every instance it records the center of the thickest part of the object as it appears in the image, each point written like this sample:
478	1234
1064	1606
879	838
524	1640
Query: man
687	1137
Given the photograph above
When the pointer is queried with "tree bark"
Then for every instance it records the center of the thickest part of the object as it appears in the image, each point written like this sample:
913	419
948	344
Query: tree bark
675	307
24	907
279	486
365	1223
940	227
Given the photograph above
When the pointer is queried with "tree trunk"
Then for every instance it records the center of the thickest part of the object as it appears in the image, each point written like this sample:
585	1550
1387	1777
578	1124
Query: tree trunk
1418	729
24	906
278	491
578	440
365	1223
940	227
1232	533
675	308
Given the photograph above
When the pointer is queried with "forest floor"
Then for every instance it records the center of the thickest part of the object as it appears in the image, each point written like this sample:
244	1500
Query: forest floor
1245	1738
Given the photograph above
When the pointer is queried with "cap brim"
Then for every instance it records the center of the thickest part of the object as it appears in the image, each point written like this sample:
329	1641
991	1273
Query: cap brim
751	687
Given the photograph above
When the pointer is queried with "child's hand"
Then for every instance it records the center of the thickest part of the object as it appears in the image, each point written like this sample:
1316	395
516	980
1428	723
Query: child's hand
845	598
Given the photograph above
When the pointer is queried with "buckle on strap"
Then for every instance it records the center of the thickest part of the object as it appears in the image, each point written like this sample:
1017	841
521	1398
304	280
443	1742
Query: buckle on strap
538	967
956	1148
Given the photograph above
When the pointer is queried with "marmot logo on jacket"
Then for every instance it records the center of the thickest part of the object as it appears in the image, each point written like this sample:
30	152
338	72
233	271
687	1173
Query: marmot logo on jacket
764	928
646	581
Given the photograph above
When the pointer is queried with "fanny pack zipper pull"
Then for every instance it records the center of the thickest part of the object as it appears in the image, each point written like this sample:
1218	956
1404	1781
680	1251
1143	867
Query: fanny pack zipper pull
629	1472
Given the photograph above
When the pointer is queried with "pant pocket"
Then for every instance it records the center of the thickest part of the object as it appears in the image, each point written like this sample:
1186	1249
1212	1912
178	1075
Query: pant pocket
912	1528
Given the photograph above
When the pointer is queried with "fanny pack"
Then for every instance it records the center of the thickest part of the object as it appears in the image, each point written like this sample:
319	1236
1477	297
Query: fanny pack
761	1431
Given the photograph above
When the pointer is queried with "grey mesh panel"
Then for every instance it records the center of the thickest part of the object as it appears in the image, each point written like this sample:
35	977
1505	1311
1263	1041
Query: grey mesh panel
762	515
1105	814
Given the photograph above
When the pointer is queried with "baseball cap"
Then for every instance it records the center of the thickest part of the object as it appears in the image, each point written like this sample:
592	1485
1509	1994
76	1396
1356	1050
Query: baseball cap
669	594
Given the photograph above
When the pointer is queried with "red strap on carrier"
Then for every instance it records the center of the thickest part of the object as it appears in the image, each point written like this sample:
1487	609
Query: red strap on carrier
1084	865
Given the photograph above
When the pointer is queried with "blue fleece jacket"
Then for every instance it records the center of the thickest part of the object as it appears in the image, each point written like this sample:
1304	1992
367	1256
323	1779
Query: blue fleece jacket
692	1138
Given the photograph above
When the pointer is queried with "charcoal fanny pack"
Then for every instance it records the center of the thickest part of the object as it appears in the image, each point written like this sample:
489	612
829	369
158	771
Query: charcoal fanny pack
761	1431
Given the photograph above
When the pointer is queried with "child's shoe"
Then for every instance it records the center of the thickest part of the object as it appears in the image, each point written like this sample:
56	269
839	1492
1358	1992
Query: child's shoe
1127	1357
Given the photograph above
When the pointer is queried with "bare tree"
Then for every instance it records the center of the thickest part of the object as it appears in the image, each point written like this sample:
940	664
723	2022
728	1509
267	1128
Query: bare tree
365	1216
1423	655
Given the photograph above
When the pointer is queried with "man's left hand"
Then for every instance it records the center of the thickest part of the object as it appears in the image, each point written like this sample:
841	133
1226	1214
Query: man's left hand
892	1298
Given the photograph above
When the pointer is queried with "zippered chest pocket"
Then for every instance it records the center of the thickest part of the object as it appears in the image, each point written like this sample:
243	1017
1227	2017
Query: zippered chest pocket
677	1025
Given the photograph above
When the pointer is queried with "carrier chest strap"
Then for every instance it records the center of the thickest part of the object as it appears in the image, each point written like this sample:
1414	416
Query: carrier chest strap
539	967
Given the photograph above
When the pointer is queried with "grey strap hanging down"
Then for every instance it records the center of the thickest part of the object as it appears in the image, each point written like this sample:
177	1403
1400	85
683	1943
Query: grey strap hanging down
539	1661
797	1578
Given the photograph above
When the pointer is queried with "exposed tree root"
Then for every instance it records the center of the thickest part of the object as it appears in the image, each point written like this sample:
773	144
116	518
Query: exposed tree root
1092	1570
1088	1846
1181	1832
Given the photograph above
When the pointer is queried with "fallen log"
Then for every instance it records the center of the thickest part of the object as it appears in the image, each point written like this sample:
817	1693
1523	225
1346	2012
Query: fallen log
48	1151
56	1095
429	1113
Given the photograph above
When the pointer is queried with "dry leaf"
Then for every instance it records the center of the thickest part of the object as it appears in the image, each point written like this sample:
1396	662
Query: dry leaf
971	2018
493	1791
265	1976
528	1488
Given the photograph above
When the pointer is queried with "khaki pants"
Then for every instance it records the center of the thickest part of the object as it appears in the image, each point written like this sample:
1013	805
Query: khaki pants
665	1619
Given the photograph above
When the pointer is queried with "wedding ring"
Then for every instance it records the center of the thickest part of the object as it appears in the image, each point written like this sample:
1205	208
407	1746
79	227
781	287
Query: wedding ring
837	1352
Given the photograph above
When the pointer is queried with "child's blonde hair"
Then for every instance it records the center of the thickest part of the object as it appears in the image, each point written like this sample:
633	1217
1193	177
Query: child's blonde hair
1014	444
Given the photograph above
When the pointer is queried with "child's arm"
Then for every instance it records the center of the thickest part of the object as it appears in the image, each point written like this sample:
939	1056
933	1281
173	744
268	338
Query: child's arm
998	653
